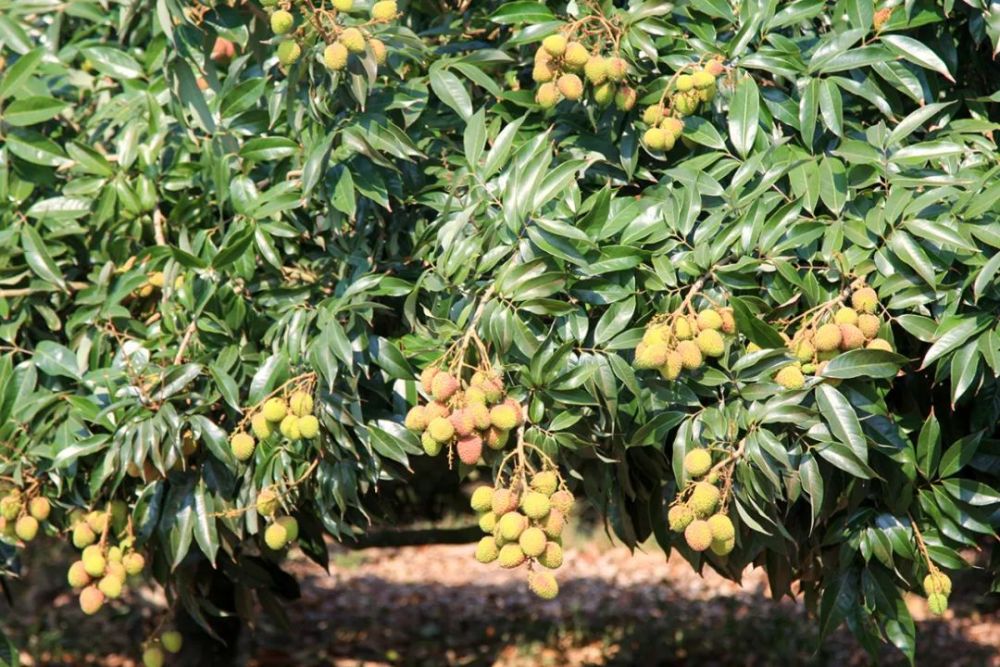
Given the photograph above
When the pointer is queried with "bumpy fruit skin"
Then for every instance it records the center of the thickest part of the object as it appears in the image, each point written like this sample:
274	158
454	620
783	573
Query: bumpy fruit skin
697	462
652	355
554	523
671	369
851	337
308	427
487	550
134	563
97	521
353	40
827	338
937	603
379	50
83	535
543	584
511	525
655	139
488	522
77	576
242	445
545	482
281	22
674	127
542	73
427	378
291	526
482	499
274	410
441	429
685	104
790	377
111	586
276	537
709	319
172	641
504	500
554	45
547	95
343	5
260	426
576	55
869	325
301	404
535	505
604	94
723	547
10	506
443	387
704	499
562	501
26	528
690	353
846	316
715	68
91	600
431	446
625	98
532	542
679	517
879	344
39	508
865	300
469	448
496	439
480	416
267	502
503	417
653	115
937	582
436	409
152	657
722	527
710	343
617	69
416	418
510	556
698	535
803	350
115	569
596	70
93	561
570	86
684	83
552	557
702	80
463	422
682	329
290	427
384	10
289	52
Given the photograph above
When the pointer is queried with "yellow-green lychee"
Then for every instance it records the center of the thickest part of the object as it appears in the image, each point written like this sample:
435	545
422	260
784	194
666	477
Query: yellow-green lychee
652	355
690	354
511	525
535	505
97	521
576	55
803	350
710	343
617	69
657	333
281	22
827	338
242	445
416	418
152	657
532	542
274	409
672	367
77	576
487	550
93	561
655	139
625	98
384	10
504	500
267	501
722	527
864	300
290	427
679	517
709	319
276	537
555	45
596	70
260	426
26	528
570	87
652	115
301	404
937	582
111	586
134	563
83	535
704	499
482	499
379	50
431	446
697	462
685	103
441	429
869	325
562	501
879	344
937	603
510	556
846	316
702	80
10	505
39	508
723	547
851	337
684	83
674	127
790	377
553	523
308	427
291	526
543	73
172	641
289	52
682	329
91	600
335	57
552	557
488	522
545	482
353	40
547	95
543	584
495	438
503	417
698	535
343	5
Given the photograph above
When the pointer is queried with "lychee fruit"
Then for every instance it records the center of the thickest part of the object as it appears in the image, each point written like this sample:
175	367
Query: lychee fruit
545	482
684	83
679	517
39	508
704	499
846	316
152	657
353	40
698	535
555	45
91	600
710	343
552	557
416	418
879	344
469	448
274	409
547	95
172	641
111	586
827	338
562	501
289	52
864	300
242	445
702	80
290	427
510	556
504	417
267	501
625	98
301	404
134	563
652	115
77	576
543	584
308	427
576	55
281	22
690	354
291	526
570	86
427	379
487	550
535	505
869	325
260	426
511	525
722	527
851	337
532	542
671	369
937	603
441	429
697	462
384	10
790	377
276	537
652	355
482	499
596	70
937	583
504	500
379	50
655	139
709	319
617	69
431	446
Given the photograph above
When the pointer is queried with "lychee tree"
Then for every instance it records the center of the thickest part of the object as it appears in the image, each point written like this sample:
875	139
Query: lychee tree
729	274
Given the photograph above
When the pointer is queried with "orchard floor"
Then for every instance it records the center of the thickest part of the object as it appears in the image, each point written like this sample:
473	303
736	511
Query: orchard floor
437	606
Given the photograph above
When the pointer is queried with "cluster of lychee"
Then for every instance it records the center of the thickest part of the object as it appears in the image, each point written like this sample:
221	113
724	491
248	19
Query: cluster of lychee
153	651
937	586
524	525
101	572
665	122
292	419
696	512
281	530
559	64
849	328
468	419
341	41
21	517
682	342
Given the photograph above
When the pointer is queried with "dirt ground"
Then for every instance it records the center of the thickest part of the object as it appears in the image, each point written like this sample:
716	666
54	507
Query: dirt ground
436	606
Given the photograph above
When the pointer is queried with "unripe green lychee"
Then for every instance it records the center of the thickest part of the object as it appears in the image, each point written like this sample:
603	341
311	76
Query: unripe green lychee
652	115
416	418
152	657
469	449
702	80
276	537
697	462
83	535
260	426
535	505
503	417
698	535
511	525
722	527
655	139
343	5
604	94
671	368
827	338
111	586
543	73
134	563
682	329
441	429
172	641
267	501
937	582
690	353
289	52
543	584
274	409
625	98
487	550
379	50
39	508
545	482
77	576
384	10
879	344
851	337
704	499
709	319
869	325
710	343
846	316
937	603
864	300
290	427
684	83
596	70
803	350
685	103
301	404
679	517
808	369
308	427
723	547
291	526
570	86
353	40
562	501
576	55
482	499
242	445
26	528
552	557
790	377
617	69
532	542
91	600
547	95
443	387
553	523
93	561
488	522
281	22
10	505
504	500
510	556
431	446
554	45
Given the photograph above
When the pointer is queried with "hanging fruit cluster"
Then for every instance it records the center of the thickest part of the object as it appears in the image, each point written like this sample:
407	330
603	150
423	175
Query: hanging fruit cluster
524	521
154	647
683	95
286	415
22	514
464	417
937	587
325	28
683	339
699	511
281	530
108	556
829	330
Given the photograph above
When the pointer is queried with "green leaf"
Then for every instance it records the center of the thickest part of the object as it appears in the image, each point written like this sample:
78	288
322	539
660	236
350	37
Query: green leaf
972	492
843	421
522	12
451	91
32	110
864	363
916	52
17	73
744	115
113	62
38	257
753	327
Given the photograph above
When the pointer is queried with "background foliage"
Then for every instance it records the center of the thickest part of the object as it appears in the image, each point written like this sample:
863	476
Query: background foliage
351	225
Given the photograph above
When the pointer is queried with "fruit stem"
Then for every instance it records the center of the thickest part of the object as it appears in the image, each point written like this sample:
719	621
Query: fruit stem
921	546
